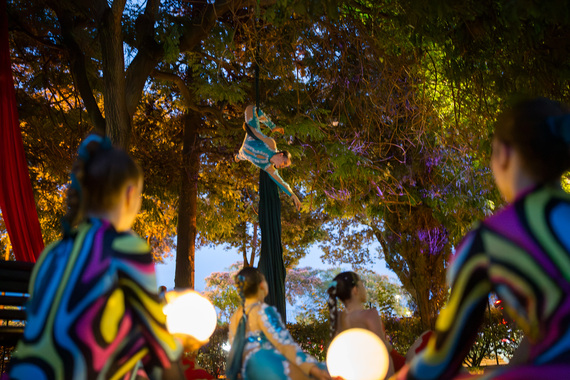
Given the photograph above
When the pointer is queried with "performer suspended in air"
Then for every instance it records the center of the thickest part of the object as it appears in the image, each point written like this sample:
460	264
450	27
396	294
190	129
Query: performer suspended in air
262	151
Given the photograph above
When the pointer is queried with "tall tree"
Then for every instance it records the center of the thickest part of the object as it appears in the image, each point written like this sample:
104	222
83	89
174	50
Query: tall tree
110	78
388	107
380	154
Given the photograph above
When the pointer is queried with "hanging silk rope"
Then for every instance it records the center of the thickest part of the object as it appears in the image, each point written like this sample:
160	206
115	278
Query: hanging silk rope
271	262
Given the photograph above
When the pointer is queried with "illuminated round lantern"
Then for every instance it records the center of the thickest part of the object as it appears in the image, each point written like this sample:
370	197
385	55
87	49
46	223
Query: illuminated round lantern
358	354
189	313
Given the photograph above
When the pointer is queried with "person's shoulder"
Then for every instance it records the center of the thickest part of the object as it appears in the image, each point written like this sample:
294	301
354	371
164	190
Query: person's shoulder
371	313
129	242
498	217
371	316
236	316
55	245
265	308
54	248
256	314
267	311
270	168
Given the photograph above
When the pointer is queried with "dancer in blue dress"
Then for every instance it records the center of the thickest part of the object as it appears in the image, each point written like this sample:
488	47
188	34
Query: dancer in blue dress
261	150
262	348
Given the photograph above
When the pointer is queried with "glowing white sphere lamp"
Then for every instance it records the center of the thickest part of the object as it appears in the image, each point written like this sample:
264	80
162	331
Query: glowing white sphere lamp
189	313
358	354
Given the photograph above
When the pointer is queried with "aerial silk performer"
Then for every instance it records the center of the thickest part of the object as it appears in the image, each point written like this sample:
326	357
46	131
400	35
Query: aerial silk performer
16	196
262	151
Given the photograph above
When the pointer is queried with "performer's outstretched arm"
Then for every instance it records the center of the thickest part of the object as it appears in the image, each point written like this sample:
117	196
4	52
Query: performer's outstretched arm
296	201
270	169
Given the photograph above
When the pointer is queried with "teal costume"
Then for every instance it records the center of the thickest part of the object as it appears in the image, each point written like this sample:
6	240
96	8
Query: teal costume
256	151
269	351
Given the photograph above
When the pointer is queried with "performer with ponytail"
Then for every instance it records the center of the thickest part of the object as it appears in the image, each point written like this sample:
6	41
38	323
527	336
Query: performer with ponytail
262	348
522	253
94	310
349	288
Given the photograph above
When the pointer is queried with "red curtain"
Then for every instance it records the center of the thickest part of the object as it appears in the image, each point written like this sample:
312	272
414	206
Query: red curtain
16	196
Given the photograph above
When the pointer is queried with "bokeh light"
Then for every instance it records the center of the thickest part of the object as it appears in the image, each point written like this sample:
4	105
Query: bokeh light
358	354
190	313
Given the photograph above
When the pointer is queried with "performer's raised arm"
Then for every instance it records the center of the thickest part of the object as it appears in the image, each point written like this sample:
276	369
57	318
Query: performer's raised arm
255	116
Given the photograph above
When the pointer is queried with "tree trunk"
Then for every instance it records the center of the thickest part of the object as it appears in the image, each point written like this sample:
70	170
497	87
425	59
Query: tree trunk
243	229
118	121
422	301
419	292
187	210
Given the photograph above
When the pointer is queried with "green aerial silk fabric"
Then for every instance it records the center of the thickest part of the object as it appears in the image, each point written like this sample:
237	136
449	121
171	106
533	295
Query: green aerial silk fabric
271	257
235	357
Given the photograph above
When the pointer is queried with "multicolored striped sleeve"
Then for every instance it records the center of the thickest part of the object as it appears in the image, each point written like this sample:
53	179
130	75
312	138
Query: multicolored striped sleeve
457	324
137	280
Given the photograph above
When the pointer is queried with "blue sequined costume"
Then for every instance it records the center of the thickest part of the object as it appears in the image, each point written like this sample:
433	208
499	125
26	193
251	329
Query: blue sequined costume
256	151
270	352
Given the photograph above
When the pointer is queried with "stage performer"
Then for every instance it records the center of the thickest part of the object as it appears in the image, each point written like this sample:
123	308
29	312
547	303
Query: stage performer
262	348
261	150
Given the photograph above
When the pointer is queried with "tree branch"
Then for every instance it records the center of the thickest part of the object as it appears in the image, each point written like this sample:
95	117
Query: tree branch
90	9
187	95
78	68
194	32
110	38
149	54
26	31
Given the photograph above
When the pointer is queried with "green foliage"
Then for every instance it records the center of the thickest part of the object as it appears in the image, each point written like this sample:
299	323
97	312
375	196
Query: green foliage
221	291
212	356
507	47
171	38
387	107
306	289
402	332
498	336
313	338
389	298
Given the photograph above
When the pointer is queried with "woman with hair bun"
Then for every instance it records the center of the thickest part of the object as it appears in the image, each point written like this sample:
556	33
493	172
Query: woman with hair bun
349	288
522	253
94	310
262	348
